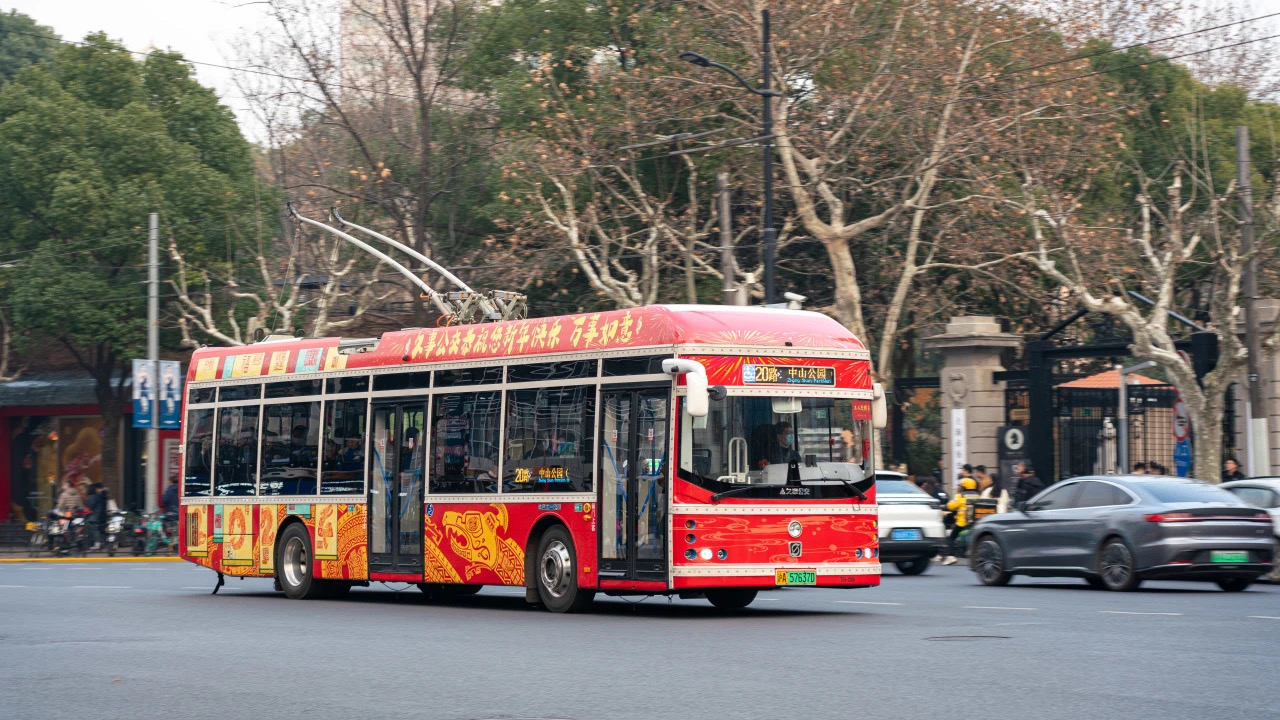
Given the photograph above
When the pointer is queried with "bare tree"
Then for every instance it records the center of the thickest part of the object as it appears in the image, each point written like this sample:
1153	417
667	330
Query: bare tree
363	104
1177	230
7	374
319	286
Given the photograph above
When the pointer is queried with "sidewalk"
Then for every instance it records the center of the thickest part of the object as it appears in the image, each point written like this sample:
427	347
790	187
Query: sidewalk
10	554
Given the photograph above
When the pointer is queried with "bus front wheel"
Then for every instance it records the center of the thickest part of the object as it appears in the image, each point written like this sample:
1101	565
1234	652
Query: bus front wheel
557	574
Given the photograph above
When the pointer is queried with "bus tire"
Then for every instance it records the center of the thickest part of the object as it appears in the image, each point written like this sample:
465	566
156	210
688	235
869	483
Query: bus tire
294	564
731	598
557	573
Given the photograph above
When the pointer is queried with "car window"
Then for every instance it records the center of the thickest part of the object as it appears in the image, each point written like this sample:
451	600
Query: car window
1188	492
897	487
1056	498
1099	494
1257	497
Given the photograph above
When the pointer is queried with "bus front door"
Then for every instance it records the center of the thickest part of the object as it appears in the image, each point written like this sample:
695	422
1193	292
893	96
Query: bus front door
633	483
397	470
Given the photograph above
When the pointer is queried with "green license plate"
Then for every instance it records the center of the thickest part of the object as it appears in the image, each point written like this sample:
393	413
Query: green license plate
795	577
1229	556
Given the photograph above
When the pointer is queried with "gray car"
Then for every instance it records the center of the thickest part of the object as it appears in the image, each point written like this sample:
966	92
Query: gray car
1117	531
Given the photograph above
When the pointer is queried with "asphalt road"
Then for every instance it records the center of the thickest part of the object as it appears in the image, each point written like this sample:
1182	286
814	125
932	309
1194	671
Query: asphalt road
146	640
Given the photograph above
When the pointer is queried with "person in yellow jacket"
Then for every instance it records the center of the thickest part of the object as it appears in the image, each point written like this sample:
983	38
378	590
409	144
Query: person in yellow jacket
958	504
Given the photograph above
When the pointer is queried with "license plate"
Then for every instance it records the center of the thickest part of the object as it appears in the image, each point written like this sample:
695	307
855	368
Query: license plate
1229	556
795	577
906	534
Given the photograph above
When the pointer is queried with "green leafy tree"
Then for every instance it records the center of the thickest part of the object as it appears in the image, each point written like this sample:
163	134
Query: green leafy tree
23	42
90	143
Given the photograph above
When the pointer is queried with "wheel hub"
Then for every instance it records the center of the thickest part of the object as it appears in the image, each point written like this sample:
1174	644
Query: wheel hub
556	569
295	562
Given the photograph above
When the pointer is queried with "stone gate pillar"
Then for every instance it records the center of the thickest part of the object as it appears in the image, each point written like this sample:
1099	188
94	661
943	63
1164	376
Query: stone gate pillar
972	402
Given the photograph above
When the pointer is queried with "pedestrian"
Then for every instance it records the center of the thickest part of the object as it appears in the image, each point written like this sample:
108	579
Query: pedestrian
1028	484
69	499
96	504
1139	468
1231	470
1155	468
986	484
958	505
169	502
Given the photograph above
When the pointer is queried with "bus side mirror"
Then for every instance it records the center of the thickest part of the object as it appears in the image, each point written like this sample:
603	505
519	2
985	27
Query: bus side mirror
697	400
879	407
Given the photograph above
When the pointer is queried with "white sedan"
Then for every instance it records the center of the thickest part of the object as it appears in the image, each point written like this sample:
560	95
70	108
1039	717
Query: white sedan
911	531
1263	492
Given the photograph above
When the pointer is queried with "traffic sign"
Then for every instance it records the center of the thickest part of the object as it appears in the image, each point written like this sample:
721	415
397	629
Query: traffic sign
1182	458
1181	421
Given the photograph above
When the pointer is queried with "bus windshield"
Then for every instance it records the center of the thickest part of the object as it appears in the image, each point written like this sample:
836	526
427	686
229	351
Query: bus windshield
754	440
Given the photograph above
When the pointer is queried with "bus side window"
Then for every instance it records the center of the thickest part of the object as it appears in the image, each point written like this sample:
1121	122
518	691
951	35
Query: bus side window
550	439
342	470
290	448
198	472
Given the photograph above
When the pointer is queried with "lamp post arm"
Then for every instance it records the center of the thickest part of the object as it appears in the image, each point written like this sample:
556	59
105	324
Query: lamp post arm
742	81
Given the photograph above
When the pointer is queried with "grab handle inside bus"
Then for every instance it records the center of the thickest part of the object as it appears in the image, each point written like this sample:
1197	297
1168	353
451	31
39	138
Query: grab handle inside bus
697	400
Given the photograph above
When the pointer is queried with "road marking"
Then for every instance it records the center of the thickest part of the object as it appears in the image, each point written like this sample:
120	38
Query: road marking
863	602
12	586
1255	617
100	587
1129	612
993	607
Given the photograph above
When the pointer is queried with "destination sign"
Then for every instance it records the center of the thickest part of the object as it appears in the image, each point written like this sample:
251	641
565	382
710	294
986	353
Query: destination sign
788	375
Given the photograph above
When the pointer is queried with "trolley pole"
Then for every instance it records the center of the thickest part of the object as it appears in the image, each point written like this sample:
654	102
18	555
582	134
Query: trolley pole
1259	445
153	475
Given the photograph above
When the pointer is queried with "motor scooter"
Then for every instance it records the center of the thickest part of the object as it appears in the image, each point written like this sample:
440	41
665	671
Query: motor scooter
114	532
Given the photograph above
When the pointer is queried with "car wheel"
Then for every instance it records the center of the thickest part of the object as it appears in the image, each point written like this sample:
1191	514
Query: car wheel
1116	568
293	564
731	598
913	567
1095	582
557	575
988	562
1234	584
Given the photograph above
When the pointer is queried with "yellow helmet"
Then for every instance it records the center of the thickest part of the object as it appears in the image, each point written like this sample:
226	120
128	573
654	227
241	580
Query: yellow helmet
969	484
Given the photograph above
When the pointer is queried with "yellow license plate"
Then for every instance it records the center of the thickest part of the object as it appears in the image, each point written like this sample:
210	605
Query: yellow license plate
795	577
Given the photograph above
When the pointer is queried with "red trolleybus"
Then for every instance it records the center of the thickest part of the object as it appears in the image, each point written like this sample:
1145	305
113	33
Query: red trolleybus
699	451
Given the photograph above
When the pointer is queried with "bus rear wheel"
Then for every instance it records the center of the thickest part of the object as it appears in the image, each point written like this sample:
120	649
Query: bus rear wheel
731	598
556	574
294	563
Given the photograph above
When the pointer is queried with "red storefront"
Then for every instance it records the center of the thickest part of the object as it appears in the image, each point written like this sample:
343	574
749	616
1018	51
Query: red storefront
50	429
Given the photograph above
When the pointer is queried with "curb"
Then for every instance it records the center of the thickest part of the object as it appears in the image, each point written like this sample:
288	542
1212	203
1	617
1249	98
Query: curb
91	560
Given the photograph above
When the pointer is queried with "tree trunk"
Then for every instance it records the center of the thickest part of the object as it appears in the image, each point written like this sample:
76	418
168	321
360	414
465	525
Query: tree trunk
848	298
109	400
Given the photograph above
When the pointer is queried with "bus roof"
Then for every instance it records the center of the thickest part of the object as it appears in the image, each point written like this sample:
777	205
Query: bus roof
653	325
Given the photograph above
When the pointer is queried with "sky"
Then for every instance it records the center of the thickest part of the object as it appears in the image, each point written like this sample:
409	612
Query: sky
200	29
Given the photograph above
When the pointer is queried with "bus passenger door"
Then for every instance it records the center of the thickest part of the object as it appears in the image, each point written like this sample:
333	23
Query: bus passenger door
397	471
634	466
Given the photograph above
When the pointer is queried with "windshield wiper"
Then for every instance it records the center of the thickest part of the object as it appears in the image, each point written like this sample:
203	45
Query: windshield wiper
735	491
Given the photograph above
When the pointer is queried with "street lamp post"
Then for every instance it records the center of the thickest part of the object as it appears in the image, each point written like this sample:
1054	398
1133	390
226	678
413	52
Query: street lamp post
769	233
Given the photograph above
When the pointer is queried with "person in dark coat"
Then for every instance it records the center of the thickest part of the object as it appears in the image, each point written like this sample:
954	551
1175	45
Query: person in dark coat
169	502
1231	470
1028	484
96	504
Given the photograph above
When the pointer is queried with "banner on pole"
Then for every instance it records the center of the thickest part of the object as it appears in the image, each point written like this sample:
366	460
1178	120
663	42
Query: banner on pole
145	387
170	394
144	394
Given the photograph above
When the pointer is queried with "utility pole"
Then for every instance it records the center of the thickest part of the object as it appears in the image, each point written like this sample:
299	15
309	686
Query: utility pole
731	293
770	234
1259	445
1122	413
153	475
